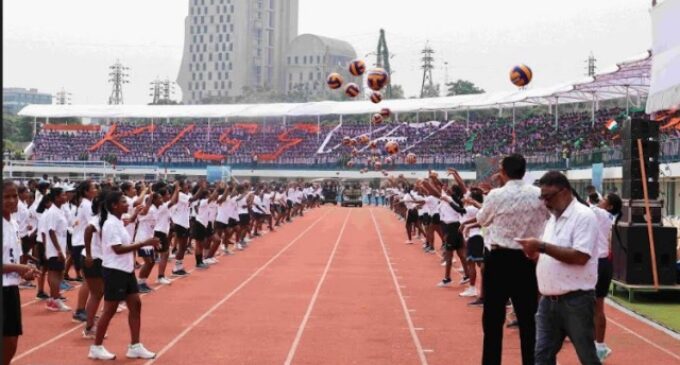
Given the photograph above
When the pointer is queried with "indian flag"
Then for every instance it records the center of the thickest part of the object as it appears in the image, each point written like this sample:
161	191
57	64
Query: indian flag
612	125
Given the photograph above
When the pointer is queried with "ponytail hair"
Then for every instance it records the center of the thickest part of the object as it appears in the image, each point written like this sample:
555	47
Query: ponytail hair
109	200
43	204
82	189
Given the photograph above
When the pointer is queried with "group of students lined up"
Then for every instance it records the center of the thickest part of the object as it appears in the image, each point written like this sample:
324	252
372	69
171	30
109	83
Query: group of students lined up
102	230
540	247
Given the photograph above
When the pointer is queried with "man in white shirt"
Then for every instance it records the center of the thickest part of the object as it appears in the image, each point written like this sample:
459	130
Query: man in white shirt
511	211
566	273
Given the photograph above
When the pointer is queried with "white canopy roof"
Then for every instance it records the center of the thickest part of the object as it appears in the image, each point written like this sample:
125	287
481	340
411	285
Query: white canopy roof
632	75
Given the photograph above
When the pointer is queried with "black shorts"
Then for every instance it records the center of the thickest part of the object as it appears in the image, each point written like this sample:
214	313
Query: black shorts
211	229
146	252
604	277
165	243
258	216
54	264
475	248
199	232
425	219
290	204
454	239
436	219
69	240
181	232
40	254
221	226
244	219
11	312
412	216
27	243
118	284
93	272
76	255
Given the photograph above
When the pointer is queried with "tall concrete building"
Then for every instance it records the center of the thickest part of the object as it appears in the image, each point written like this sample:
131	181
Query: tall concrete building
15	98
233	44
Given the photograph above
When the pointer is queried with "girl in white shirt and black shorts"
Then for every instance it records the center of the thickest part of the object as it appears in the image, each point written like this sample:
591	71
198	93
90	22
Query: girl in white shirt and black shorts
12	272
120	283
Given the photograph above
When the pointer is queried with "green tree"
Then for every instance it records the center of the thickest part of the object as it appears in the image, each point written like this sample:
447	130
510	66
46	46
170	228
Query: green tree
16	128
431	92
397	92
462	87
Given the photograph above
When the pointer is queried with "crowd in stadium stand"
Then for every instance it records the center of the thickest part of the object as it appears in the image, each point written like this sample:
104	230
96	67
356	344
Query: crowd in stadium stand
279	143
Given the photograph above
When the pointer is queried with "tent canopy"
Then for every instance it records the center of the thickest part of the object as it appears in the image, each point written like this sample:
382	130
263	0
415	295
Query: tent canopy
632	75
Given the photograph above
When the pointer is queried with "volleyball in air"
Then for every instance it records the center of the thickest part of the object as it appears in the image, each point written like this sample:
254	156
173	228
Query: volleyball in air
521	75
364	139
346	141
376	97
377	166
385	112
334	80
357	67
392	147
377	119
377	79
411	158
352	90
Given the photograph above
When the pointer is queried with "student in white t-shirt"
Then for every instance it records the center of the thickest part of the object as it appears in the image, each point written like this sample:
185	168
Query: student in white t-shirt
86	192
199	230
120	284
181	227
12	272
162	228
56	229
92	268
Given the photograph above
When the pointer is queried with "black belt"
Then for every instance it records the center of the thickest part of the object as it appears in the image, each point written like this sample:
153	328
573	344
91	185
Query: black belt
495	247
571	294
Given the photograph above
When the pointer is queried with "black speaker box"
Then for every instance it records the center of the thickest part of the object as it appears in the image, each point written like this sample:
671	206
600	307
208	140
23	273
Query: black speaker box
650	149
632	256
640	128
631	169
632	189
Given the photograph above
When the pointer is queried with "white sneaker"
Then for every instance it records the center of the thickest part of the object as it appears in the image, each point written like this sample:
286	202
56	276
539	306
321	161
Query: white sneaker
100	353
164	281
443	263
62	306
471	291
137	351
247	240
121	307
239	246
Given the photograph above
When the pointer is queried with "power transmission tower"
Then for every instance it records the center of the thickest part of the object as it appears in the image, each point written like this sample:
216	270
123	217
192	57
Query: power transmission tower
118	77
167	89
384	60
155	91
63	97
590	69
427	88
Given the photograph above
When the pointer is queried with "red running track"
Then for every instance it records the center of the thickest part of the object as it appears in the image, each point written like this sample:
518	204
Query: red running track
337	286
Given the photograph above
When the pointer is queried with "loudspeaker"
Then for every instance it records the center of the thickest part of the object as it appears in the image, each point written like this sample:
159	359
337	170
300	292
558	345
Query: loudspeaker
632	257
640	128
650	149
633	211
631	169
632	189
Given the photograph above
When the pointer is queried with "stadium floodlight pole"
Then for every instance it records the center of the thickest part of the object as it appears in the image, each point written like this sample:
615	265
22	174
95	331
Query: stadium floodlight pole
627	100
318	126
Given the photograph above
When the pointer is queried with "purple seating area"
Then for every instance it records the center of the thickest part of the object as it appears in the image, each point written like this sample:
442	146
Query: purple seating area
431	143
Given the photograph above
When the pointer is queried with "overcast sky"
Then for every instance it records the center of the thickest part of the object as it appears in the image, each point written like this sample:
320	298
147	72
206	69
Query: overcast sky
50	44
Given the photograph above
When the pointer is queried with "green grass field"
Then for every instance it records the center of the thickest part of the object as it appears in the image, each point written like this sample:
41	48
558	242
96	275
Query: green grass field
663	308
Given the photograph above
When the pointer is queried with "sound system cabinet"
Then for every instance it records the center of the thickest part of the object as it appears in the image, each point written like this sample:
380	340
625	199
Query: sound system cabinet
632	257
633	211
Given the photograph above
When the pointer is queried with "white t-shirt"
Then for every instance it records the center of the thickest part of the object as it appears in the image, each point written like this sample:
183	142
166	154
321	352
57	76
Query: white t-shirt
146	225
11	251
242	205
257	205
82	220
203	216
267	202
114	233
70	214
96	243
604	229
471	213
130	227
223	212
446	213
577	229
41	233
431	204
212	211
409	201
233	208
162	214
55	221
181	214
32	219
21	219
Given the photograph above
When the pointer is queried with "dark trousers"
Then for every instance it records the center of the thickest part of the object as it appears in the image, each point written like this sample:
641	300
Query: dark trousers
568	315
509	274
